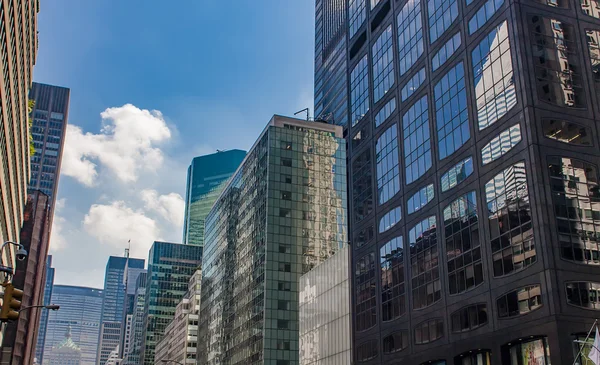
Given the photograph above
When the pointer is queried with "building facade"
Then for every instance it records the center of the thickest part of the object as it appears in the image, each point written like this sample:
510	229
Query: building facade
170	266
66	352
473	144
282	213
41	330
132	355
205	180
80	310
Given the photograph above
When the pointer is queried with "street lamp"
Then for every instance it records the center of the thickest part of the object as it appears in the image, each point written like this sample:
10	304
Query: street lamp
174	361
52	307
21	255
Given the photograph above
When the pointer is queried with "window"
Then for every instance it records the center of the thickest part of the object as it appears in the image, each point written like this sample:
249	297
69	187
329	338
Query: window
286	162
364	236
556	62
576	199
364	277
410	35
361	136
556	3
567	132
417	147
463	249
383	64
283	324
285	145
593	42
285	213
457	174
284	286
287	179
475	357
429	331
392	279
501	144
390	219
395	342
520	301
285	267
420	199
374	3
509	217
385	112
283	345
485	12
584	294
359	90
286	195
426	288
469	318
446	51
413	84
388	170
591	8
442	14
493	77
362	192
366	351
451	111
358	13
283	305
516	350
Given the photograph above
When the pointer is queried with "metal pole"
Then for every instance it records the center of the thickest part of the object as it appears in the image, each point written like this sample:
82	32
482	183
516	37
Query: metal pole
586	338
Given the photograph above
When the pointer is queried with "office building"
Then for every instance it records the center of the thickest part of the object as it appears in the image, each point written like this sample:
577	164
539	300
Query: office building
282	213
472	144
170	266
205	180
325	312
66	352
41	330
180	341
131	355
80	310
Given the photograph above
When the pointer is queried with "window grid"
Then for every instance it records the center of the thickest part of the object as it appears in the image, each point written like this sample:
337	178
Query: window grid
567	132
457	174
385	112
591	8
446	51
593	42
390	219
583	294
410	35
388	170
358	14
359	90
429	331
442	14
519	302
417	145
413	84
383	64
501	144
393	303
420	199
426	287
469	318
485	13
395	342
366	314
362	193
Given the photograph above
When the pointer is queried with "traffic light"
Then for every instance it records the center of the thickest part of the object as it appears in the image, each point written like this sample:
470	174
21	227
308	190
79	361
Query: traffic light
11	303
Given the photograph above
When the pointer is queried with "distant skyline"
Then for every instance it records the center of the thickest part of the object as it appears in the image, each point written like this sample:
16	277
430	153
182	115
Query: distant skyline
143	105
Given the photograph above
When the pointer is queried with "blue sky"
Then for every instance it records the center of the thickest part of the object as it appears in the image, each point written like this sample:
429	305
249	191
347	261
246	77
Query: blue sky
215	73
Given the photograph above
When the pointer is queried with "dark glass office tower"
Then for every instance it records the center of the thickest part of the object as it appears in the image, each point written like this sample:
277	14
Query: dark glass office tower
473	179
206	177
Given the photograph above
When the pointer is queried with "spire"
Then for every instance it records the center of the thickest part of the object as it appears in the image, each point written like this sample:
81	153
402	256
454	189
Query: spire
68	334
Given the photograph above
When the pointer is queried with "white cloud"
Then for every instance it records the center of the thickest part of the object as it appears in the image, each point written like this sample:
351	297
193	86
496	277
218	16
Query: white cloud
125	145
170	206
58	241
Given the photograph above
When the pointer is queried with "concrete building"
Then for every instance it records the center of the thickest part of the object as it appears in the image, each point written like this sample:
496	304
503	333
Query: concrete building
205	180
132	354
180	341
472	144
170	266
41	330
282	213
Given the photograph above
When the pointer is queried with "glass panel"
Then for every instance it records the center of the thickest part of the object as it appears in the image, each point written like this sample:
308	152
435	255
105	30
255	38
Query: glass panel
457	174
395	342
385	112
530	352
359	90
362	194
446	51
555	3
366	351
358	14
591	7
593	42
429	331
583	294
388	169
567	132
417	147
485	12
519	302
364	236
390	219
469	318
383	64
413	84
393	302
364	279
420	199
374	3
425	275
501	144
442	14
410	35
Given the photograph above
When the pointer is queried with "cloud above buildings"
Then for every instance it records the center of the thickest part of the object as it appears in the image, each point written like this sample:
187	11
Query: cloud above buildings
169	206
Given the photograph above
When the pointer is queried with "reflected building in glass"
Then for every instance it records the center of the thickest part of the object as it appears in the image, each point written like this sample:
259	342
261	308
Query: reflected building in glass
282	213
473	144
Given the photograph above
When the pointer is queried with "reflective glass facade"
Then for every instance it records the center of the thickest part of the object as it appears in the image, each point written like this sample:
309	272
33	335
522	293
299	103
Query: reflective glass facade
49	284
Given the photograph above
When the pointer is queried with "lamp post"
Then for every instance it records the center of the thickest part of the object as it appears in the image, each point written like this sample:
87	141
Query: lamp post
52	307
21	255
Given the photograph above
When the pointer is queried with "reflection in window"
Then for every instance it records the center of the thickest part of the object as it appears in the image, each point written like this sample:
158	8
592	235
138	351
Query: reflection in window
366	351
457	174
358	12
576	199
364	236
429	331
374	3
501	144
417	147
390	219
567	132
469	318
388	169
364	278
485	12
424	263
463	250
383	64
479	357
385	112
420	199
593	42
392	279
493	77
442	14
584	294
591	8
359	90
520	301
362	194
451	111
555	3
557	68
410	35
361	136
446	51
524	349
413	84
395	342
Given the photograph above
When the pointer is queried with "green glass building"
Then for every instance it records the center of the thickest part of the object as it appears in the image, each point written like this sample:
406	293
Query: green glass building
282	213
170	266
206	177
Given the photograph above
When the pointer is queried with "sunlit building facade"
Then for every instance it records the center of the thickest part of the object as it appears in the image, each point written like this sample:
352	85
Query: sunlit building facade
133	352
472	145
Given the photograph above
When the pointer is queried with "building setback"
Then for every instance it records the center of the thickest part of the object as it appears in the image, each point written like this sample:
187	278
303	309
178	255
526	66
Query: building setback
473	145
41	330
136	340
282	213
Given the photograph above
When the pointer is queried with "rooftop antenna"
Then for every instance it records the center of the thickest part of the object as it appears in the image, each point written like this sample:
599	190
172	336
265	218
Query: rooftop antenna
128	249
304	110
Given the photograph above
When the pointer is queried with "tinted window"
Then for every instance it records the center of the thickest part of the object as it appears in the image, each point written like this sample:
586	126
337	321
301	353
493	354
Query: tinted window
446	51
366	351
410	35
457	174
392	279
413	84
584	294
520	301
359	90
424	260
395	342
420	199
388	169
383	64
362	193
385	112
364	278
567	132
501	144
364	236
468	318
485	12
390	219
429	331
591	8
417	146
442	14
358	13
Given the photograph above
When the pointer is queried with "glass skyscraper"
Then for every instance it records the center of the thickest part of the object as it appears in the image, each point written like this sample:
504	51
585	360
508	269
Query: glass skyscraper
136	339
205	180
282	213
41	336
473	143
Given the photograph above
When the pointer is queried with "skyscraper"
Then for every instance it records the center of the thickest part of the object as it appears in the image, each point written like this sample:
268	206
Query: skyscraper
41	331
170	266
206	177
80	309
472	144
282	213
136	339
